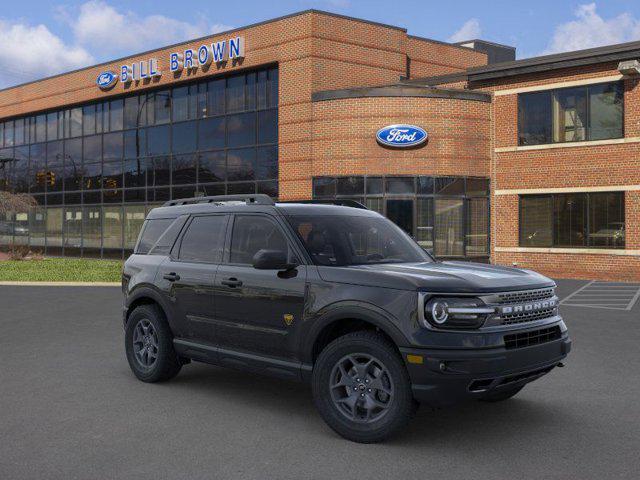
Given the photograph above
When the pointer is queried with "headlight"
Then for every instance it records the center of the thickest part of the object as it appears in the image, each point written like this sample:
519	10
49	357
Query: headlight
456	312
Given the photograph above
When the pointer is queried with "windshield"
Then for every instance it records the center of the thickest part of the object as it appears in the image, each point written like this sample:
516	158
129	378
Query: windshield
339	240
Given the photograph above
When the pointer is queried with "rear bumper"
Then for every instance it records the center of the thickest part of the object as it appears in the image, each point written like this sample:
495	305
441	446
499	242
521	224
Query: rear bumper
447	377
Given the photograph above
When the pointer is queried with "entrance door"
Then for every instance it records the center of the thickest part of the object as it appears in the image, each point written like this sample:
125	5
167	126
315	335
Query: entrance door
400	212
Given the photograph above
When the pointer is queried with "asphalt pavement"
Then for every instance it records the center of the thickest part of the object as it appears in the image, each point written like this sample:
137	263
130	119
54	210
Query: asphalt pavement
71	409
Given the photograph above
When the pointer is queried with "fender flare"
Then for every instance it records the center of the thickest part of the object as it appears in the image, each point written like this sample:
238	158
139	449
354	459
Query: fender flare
146	291
352	310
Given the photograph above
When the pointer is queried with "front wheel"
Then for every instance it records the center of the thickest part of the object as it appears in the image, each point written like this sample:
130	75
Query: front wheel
361	387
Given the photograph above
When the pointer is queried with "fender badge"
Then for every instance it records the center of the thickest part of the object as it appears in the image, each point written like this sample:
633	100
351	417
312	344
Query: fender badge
288	319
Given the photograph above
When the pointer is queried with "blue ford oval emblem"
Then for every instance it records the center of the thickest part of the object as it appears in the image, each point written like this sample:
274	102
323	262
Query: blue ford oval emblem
401	136
106	80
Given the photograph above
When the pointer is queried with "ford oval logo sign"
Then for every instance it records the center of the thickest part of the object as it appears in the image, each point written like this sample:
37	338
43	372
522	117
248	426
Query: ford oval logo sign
401	136
106	80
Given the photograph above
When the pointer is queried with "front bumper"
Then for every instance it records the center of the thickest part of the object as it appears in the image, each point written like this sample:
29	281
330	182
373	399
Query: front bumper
449	376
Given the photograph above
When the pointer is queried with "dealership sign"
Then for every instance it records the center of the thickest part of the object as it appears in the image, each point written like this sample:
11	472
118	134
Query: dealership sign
189	59
401	136
106	80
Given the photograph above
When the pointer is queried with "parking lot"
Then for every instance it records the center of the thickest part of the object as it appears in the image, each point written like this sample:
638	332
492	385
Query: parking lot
70	408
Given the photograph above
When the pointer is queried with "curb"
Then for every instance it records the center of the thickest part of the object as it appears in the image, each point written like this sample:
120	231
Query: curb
61	284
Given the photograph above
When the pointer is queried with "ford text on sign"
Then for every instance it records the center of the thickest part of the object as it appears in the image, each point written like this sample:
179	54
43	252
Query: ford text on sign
401	136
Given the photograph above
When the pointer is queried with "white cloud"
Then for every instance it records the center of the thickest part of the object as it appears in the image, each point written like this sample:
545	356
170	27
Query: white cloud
107	31
469	31
591	30
29	52
98	32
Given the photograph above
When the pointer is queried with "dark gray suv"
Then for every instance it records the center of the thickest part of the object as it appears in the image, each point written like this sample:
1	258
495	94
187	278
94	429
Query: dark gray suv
337	296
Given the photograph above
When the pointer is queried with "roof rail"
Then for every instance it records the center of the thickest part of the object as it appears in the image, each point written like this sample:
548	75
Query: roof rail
340	202
258	199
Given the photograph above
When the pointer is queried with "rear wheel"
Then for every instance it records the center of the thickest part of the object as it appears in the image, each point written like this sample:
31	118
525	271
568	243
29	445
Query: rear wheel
501	395
361	387
149	345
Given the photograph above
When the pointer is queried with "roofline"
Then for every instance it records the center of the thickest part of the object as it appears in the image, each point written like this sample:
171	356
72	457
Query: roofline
226	32
400	90
496	44
435	79
608	53
440	42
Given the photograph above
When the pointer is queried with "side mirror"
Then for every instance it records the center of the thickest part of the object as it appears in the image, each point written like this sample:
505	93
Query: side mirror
272	260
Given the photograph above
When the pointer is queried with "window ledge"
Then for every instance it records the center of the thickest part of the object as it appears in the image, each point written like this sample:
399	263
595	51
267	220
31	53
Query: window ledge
589	143
570	251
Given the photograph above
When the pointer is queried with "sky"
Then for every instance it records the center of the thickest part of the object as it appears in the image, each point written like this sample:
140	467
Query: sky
39	38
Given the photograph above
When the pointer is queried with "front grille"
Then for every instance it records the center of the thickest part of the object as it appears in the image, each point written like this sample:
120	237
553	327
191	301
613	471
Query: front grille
534	337
513	318
526	295
520	299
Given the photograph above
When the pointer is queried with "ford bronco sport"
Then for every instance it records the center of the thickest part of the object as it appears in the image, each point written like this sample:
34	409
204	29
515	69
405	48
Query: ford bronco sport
337	296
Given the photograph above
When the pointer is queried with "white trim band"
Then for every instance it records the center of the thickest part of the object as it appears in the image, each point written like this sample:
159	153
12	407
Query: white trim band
550	86
603	188
570	251
589	143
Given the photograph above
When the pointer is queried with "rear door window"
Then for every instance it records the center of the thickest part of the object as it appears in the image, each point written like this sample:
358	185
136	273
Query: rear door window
204	239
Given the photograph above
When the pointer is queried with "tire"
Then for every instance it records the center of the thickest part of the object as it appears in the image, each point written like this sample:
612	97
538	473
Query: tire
501	395
368	409
160	362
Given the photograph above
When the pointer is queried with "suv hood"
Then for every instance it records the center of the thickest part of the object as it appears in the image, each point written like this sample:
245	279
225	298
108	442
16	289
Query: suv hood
449	277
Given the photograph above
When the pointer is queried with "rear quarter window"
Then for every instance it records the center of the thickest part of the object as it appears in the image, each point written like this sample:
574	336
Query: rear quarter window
151	232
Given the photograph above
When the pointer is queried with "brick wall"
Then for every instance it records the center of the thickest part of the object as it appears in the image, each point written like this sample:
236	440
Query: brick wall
429	58
315	51
564	167
344	140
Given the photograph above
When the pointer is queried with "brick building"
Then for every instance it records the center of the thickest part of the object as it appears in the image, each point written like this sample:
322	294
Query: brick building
527	161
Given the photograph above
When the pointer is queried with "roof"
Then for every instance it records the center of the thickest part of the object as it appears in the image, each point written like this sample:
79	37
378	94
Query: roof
590	56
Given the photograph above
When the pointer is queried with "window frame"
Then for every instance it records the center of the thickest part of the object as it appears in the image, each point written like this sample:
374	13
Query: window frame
552	92
174	254
587	222
295	249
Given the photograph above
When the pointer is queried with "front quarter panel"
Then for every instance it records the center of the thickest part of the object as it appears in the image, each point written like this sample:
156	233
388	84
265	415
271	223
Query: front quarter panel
392	310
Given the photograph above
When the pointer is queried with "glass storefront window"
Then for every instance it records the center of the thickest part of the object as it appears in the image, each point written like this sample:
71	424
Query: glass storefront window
477	240
213	137
449	227
424	207
578	220
212	133
54	230
424	227
37	227
400	185
112	231
133	219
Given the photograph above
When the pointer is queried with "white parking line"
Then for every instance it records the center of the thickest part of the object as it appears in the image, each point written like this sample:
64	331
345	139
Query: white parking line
612	296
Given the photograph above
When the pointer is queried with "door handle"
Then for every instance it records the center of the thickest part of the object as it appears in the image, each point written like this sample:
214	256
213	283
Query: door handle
172	277
232	282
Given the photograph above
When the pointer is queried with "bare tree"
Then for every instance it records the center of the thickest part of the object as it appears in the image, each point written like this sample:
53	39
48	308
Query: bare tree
16	202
